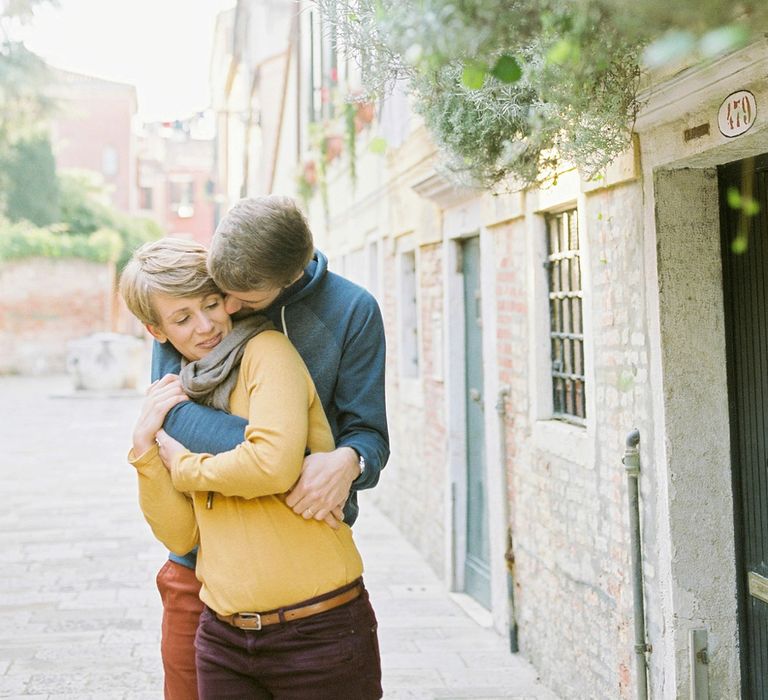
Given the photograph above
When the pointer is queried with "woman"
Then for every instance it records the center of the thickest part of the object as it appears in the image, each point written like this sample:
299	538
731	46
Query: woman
286	612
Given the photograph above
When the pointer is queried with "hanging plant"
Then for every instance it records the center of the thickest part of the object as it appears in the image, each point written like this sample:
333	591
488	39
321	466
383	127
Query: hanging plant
350	131
306	181
364	114
506	87
319	143
334	147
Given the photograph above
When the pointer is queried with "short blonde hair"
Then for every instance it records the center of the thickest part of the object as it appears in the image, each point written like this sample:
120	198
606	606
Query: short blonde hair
176	267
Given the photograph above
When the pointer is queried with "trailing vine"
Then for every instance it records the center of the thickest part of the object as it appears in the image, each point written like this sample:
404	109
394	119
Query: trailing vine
509	87
350	137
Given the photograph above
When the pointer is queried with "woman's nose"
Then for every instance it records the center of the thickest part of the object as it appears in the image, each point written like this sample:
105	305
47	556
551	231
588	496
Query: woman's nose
204	324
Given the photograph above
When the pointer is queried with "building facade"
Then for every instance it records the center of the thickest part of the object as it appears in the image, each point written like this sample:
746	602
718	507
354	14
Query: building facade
176	177
93	129
250	75
530	331
165	171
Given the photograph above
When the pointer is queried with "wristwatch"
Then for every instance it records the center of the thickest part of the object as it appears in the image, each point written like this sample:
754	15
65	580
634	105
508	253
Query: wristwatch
360	463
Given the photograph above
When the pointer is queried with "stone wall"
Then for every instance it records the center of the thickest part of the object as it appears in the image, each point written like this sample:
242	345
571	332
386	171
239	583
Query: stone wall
44	303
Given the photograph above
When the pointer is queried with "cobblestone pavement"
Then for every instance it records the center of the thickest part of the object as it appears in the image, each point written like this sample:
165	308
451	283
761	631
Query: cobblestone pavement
79	613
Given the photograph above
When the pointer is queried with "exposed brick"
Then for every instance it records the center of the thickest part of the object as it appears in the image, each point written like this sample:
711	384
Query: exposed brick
44	303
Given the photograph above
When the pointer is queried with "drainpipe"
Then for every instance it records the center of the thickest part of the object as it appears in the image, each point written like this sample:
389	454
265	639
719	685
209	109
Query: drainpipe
501	410
631	463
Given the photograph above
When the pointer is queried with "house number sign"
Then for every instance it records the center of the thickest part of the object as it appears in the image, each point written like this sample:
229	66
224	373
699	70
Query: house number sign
737	113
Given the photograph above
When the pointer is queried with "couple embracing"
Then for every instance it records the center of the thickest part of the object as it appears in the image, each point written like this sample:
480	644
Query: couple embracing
266	416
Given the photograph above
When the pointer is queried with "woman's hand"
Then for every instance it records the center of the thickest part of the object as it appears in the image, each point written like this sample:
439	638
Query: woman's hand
169	448
162	396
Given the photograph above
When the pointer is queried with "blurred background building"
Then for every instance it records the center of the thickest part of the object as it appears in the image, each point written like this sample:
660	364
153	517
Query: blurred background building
93	129
177	177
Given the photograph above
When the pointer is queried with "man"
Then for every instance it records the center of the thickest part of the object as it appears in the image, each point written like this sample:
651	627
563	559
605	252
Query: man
262	257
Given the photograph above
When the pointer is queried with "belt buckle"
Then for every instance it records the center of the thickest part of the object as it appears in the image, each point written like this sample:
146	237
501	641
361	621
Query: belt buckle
249	620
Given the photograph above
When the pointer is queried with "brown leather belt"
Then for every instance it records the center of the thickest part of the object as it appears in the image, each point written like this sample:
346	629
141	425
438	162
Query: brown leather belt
255	621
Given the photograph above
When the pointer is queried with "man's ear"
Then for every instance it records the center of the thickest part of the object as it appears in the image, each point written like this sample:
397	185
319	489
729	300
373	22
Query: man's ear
156	333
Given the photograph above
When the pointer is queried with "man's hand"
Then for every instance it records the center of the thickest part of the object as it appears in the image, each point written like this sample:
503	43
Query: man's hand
324	485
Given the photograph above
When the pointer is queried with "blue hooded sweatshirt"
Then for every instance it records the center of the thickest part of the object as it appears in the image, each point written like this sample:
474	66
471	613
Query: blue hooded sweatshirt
337	328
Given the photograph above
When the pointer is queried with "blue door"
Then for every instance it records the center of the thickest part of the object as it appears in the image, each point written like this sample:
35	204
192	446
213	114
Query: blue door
477	580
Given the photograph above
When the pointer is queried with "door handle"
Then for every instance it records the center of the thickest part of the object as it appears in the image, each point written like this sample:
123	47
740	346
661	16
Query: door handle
475	395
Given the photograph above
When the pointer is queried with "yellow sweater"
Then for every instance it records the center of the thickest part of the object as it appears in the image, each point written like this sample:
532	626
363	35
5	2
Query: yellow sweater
255	553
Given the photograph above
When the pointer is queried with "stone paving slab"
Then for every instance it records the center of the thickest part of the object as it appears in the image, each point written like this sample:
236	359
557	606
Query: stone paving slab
79	612
431	648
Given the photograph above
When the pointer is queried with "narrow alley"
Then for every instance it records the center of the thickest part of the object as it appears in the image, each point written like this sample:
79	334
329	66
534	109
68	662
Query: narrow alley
79	613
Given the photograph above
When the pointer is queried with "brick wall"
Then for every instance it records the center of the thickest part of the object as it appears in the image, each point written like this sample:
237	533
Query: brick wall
430	535
388	491
412	488
569	515
622	401
45	303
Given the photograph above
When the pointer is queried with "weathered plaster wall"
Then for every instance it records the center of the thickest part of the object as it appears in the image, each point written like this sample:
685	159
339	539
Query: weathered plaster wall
700	589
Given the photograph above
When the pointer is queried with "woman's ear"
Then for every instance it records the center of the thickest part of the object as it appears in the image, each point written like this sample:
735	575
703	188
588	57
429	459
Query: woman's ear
156	333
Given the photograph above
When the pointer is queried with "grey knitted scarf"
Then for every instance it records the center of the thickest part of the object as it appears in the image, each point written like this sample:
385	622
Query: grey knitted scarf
210	380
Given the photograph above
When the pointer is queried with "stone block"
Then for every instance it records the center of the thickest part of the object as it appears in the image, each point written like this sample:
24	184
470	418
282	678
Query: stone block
105	362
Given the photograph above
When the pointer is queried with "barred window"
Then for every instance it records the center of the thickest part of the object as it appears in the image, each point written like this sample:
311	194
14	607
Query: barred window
565	312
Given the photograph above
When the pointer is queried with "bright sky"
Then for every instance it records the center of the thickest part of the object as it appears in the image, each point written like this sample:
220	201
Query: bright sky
163	47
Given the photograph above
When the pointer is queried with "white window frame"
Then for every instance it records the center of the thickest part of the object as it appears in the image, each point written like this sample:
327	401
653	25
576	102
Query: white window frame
574	443
409	335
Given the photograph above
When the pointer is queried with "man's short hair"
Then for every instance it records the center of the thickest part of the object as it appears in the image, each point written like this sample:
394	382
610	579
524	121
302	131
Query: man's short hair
261	243
176	267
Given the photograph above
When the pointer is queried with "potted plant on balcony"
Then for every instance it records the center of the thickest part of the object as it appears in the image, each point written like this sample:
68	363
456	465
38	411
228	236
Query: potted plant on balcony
306	181
364	114
333	146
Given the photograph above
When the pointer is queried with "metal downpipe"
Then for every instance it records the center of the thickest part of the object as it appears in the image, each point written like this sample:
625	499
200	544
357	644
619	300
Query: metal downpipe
631	463
501	411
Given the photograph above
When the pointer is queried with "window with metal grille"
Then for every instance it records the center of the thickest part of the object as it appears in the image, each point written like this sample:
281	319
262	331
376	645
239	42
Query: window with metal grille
565	317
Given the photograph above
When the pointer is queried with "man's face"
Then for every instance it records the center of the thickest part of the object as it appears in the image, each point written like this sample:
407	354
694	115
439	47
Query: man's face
255	300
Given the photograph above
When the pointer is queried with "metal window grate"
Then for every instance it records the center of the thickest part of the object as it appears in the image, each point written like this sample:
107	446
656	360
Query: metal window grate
565	314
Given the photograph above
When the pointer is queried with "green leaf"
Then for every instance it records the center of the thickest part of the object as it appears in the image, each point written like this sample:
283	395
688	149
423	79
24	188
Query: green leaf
563	52
740	244
507	69
378	145
747	205
723	39
671	47
750	207
473	75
